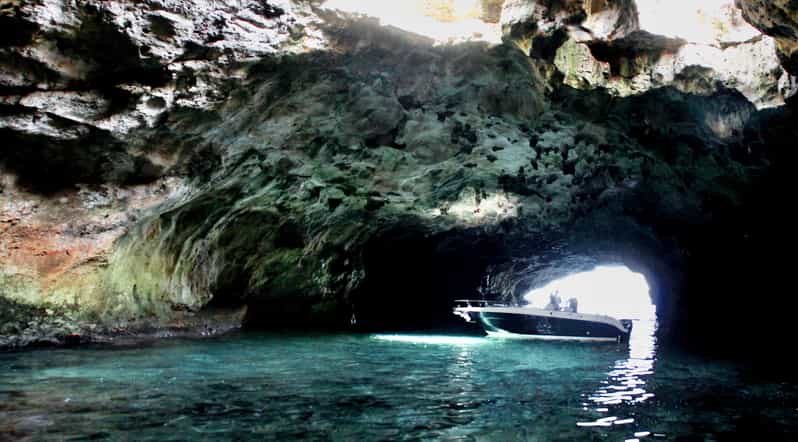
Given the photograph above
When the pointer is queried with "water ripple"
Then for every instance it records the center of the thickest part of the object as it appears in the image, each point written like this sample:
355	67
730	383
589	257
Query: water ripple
348	387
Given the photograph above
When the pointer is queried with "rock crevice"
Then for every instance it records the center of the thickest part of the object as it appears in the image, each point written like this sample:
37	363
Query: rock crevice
188	166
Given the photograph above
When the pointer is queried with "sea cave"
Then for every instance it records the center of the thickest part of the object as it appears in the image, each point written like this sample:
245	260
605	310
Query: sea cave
254	219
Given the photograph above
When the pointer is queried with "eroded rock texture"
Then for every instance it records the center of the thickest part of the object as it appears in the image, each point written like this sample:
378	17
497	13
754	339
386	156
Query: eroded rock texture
168	166
631	47
84	87
779	19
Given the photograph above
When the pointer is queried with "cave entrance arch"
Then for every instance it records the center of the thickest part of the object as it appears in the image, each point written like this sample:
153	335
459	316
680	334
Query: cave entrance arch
613	290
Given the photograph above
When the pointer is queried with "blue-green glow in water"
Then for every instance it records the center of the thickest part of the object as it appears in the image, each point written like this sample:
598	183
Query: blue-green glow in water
385	387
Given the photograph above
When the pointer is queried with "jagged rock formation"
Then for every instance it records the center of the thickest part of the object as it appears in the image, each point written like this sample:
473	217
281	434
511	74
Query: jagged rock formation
779	19
168	165
628	48
82	85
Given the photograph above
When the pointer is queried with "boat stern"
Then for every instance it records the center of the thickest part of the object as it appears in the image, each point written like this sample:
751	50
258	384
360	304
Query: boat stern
462	309
627	325
468	309
463	314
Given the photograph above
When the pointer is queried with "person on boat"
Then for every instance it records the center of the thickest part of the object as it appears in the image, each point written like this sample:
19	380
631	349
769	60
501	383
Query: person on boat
554	301
572	305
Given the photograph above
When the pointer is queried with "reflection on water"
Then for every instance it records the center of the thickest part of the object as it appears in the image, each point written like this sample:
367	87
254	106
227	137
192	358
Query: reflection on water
626	381
353	387
433	339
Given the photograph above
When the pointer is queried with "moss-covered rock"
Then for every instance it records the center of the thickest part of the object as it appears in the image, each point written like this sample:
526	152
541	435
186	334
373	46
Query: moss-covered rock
318	185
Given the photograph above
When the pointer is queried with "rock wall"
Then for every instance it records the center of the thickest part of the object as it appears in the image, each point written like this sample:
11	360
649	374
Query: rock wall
632	47
169	165
85	86
778	19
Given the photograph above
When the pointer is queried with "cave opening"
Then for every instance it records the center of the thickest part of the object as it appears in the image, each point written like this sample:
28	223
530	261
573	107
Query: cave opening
413	278
614	290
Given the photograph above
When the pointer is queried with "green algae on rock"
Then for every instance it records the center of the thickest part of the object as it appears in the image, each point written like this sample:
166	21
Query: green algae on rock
315	165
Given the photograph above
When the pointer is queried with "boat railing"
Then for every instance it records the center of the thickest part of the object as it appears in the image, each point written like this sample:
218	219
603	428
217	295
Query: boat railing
478	303
468	303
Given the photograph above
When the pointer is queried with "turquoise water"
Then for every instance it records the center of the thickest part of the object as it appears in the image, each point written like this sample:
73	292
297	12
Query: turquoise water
386	387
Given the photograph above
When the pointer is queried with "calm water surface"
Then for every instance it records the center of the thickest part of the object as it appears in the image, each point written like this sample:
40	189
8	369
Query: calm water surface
386	387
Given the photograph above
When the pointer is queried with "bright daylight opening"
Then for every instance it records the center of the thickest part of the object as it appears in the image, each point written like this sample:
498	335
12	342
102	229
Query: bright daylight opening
442	20
607	290
704	22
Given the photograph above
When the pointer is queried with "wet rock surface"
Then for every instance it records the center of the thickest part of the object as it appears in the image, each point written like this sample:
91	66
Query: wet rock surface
166	161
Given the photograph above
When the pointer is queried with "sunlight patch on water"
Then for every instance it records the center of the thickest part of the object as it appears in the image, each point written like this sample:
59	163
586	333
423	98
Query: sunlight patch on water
626	383
433	339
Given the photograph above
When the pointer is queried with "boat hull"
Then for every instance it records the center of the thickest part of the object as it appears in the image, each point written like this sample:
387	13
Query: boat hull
519	326
506	335
513	323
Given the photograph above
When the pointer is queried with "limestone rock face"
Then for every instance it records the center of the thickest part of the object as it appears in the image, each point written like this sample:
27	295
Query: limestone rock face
170	166
82	87
632	47
778	19
91	72
321	152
